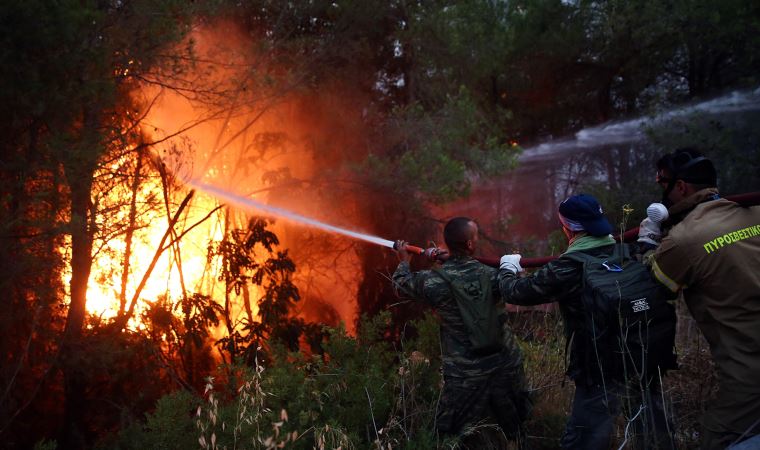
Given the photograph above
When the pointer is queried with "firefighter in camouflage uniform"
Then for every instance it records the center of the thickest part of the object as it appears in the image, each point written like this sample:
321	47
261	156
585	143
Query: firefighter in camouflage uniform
482	384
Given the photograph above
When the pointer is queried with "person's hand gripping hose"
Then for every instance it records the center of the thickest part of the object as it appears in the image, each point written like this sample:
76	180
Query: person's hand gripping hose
511	263
650	231
401	251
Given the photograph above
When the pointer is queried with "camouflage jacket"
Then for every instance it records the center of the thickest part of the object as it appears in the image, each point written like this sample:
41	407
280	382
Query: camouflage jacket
558	281
456	350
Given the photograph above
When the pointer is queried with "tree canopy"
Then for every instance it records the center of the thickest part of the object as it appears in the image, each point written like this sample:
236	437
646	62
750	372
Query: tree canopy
380	113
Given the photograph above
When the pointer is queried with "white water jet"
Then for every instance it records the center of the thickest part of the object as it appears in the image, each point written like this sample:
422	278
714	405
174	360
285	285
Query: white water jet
621	132
254	205
633	130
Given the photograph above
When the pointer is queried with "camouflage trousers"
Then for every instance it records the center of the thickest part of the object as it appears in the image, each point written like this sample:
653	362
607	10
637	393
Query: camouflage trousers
499	397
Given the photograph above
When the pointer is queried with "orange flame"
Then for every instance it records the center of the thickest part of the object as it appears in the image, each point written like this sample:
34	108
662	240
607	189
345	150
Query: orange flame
254	147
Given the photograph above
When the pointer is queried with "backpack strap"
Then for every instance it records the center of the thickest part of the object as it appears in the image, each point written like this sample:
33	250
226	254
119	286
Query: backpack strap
619	254
580	257
589	308
583	258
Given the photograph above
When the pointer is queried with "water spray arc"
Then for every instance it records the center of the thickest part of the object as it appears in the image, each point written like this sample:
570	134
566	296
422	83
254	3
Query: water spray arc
254	205
250	204
631	130
617	132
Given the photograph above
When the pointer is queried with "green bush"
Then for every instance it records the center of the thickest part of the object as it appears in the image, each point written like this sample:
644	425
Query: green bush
169	427
365	393
361	392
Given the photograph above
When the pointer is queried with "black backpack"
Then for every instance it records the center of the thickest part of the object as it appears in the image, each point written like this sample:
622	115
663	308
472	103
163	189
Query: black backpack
480	313
629	325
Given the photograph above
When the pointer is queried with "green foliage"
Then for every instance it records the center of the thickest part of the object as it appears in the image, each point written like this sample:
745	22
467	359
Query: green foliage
359	393
453	45
446	87
45	445
442	150
182	331
541	337
168	427
364	393
338	389
240	255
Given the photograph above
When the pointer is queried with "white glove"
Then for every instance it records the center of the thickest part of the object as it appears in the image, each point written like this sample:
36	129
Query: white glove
649	230
657	213
511	263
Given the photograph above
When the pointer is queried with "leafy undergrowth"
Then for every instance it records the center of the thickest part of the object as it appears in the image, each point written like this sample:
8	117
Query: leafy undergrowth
364	392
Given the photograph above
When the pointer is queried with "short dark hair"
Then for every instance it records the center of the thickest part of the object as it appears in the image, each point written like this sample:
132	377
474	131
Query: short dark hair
456	233
689	165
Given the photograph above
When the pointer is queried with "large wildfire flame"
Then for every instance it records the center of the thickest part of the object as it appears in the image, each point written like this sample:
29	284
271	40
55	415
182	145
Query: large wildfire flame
258	148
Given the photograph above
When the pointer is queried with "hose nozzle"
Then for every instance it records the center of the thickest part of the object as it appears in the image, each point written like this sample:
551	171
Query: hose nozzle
410	248
433	253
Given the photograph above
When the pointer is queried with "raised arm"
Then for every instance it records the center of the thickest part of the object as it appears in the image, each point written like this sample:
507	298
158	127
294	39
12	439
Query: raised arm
548	284
407	283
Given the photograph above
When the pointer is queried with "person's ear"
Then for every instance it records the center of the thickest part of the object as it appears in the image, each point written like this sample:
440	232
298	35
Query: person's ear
682	187
568	233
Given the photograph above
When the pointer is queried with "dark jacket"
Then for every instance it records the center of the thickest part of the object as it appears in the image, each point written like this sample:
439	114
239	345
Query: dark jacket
559	281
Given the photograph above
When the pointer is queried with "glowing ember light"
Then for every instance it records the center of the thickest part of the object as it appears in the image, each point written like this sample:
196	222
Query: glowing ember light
104	294
257	147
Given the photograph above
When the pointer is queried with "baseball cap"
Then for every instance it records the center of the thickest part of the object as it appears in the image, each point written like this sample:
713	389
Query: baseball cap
583	213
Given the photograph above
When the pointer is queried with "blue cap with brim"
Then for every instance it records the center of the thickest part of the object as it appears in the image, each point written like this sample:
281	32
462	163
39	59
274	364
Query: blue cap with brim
583	209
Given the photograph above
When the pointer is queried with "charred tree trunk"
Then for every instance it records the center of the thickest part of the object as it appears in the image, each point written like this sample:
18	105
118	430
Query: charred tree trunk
227	290
73	435
79	164
121	321
130	233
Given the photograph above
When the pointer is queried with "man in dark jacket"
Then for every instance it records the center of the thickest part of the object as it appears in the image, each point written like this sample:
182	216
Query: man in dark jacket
711	254
480	386
598	389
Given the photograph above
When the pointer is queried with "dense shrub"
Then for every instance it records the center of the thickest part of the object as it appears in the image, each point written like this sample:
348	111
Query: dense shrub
364	392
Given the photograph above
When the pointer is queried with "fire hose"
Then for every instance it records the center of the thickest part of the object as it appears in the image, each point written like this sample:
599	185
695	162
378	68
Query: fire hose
748	199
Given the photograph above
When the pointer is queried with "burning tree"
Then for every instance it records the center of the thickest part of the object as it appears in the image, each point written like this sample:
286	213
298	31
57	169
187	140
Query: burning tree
374	115
72	128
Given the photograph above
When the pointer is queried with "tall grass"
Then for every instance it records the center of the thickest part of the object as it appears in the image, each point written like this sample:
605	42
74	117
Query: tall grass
367	393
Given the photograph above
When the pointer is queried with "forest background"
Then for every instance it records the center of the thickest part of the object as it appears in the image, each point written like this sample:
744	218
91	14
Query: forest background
140	313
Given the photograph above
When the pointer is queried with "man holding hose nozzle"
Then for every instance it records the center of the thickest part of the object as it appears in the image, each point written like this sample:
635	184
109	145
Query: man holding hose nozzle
608	366
482	365
711	254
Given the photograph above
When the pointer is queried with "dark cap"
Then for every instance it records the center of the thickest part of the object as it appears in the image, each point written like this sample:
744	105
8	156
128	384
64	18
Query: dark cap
689	165
585	211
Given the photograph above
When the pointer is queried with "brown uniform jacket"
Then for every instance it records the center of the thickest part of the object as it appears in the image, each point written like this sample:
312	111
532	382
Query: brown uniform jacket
713	255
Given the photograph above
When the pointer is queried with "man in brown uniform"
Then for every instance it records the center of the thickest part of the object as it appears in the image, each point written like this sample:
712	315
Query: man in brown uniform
712	254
